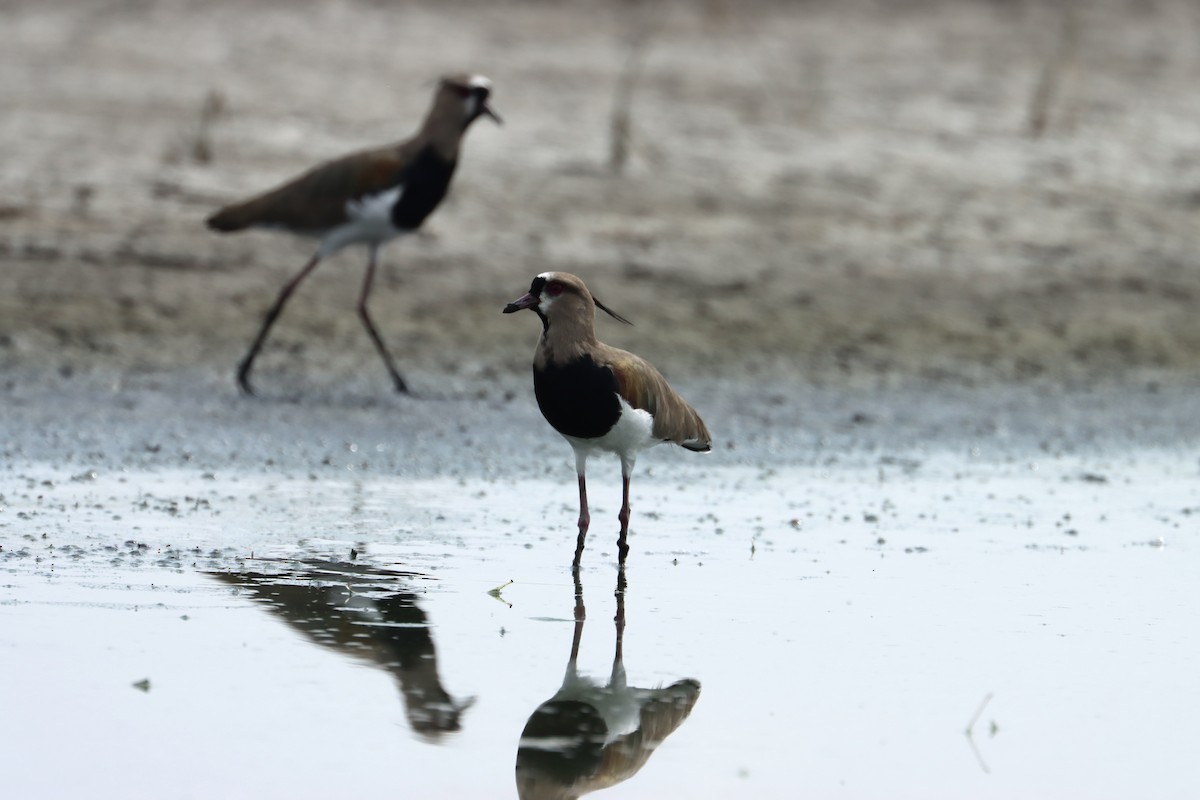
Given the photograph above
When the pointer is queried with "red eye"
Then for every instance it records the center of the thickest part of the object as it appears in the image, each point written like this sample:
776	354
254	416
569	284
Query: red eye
554	288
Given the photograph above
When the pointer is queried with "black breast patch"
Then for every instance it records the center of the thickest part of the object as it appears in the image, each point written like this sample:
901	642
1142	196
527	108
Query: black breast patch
578	399
425	183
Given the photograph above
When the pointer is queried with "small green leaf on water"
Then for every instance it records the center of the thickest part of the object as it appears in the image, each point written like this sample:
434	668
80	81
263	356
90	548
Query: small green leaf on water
496	592
143	684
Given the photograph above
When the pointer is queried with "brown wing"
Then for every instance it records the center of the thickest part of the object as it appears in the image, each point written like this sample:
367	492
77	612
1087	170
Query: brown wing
316	200
644	387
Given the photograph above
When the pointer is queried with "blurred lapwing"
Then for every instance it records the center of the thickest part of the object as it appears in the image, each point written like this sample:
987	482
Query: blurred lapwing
368	197
599	397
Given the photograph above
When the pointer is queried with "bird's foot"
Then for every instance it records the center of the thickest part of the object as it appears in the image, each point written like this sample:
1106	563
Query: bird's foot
583	526
399	383
622	541
243	382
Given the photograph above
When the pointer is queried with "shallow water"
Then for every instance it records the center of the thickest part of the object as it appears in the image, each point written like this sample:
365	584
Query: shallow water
845	627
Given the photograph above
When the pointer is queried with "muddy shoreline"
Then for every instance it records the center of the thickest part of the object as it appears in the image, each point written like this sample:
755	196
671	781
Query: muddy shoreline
470	426
884	213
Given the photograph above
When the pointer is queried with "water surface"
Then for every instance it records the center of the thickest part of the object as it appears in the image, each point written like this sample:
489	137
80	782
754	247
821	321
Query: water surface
801	631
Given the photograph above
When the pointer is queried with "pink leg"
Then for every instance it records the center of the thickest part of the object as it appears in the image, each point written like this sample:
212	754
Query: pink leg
243	373
398	381
585	519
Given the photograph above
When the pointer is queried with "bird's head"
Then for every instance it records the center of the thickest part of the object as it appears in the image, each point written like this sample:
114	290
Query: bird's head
466	96
561	296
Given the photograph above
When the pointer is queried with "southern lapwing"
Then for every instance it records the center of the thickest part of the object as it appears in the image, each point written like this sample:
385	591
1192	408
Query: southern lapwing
599	397
368	197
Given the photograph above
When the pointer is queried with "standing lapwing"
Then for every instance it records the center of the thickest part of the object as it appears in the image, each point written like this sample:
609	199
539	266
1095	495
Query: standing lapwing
599	397
368	197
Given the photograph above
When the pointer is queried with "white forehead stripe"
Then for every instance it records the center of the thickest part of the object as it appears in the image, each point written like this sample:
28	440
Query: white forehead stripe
479	82
547	276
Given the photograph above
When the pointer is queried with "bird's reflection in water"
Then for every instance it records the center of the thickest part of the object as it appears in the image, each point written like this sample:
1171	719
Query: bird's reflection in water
365	612
590	736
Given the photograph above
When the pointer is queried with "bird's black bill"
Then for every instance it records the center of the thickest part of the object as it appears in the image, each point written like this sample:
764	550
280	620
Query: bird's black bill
521	303
610	312
489	111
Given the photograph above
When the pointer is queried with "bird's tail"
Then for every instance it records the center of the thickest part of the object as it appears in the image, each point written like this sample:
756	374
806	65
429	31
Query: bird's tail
692	432
264	209
232	218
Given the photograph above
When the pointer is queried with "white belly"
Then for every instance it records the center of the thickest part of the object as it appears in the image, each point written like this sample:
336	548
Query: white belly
631	433
369	221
